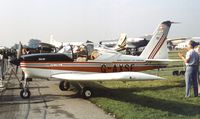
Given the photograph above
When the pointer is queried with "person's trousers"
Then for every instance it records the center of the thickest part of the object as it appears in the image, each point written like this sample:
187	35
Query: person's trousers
191	77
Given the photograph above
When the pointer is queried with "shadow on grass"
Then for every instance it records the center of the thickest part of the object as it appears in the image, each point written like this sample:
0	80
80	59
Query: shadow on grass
127	95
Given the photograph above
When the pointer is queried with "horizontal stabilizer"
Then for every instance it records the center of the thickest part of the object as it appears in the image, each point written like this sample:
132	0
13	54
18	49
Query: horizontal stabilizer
120	76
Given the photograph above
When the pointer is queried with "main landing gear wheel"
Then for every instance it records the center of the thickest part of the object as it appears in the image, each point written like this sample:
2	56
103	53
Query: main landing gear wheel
175	73
64	85
25	93
86	92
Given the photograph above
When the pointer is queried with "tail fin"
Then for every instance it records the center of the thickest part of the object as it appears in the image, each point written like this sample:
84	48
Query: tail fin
121	42
157	46
54	42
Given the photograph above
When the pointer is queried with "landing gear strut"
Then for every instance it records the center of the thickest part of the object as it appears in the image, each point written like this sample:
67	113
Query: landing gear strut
25	93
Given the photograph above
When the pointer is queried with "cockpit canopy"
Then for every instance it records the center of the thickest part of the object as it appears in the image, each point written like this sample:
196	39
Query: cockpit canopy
46	57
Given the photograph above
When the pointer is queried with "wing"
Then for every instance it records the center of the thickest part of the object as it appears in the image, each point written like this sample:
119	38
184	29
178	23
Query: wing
120	76
163	60
176	39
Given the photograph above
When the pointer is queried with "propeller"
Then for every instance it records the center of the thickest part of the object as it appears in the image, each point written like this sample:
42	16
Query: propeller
16	61
19	52
175	22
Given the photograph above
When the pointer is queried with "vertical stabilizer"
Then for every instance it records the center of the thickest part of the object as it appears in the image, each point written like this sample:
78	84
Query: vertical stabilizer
54	42
157	46
121	42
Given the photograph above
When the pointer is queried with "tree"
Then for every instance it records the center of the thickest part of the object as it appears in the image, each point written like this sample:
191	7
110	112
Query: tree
33	43
15	46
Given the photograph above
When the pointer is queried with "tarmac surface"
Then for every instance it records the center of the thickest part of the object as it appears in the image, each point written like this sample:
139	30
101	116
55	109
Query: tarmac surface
46	102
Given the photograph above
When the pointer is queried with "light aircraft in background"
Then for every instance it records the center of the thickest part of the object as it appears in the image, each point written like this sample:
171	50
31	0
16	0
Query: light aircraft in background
61	44
173	42
103	66
90	47
181	43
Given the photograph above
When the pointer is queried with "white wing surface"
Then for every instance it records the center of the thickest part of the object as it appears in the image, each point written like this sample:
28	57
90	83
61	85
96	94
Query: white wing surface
120	76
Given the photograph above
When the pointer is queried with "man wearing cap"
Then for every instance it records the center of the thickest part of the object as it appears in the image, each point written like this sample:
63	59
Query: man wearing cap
191	61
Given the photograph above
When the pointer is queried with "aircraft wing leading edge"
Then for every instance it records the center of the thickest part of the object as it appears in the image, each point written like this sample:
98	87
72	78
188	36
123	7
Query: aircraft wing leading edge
119	76
163	60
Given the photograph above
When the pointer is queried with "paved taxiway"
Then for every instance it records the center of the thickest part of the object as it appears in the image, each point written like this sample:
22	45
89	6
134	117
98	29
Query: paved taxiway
46	102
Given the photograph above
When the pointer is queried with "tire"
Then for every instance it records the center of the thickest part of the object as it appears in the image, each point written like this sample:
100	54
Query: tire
182	73
25	94
64	85
175	73
86	93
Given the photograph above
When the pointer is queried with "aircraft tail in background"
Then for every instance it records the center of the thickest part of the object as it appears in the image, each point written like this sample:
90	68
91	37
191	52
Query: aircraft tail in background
121	42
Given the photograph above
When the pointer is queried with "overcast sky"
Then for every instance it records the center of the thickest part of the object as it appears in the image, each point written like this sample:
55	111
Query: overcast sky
95	20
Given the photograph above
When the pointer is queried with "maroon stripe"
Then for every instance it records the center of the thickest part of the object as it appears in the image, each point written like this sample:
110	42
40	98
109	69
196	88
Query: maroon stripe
156	48
159	47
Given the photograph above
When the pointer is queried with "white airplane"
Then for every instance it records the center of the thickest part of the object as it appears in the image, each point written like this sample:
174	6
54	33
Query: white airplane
106	66
184	41
134	43
175	41
60	44
90	47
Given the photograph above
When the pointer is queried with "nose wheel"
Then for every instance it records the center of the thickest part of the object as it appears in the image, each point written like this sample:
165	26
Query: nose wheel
25	93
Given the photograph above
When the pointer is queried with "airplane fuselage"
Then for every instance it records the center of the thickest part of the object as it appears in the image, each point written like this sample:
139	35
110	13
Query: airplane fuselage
44	65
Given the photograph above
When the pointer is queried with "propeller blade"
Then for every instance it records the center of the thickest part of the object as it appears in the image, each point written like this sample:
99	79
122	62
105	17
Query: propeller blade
175	22
19	52
16	61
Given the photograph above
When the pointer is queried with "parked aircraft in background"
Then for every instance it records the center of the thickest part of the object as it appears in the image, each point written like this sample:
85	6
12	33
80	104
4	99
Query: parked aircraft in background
181	43
61	44
89	47
99	66
173	42
133	46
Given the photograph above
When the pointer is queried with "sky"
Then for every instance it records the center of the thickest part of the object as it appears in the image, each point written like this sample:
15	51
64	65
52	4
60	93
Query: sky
95	20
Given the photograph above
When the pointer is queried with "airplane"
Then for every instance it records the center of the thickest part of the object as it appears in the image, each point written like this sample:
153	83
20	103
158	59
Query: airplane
173	42
58	44
89	46
105	66
118	45
132	46
183	44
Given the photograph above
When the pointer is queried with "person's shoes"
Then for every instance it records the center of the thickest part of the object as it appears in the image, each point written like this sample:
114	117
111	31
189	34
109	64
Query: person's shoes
187	96
196	96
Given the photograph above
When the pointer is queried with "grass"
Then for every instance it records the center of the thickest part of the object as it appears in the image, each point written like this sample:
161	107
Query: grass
161	99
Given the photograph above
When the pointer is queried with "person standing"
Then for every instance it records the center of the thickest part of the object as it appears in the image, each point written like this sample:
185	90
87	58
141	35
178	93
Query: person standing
191	61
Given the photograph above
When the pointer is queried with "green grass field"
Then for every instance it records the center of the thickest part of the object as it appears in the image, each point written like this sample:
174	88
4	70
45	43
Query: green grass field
162	99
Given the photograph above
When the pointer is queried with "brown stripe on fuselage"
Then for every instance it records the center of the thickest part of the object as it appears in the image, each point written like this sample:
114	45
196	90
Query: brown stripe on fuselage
100	68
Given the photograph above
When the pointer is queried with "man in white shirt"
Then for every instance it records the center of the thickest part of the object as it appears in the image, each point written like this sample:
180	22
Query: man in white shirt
192	65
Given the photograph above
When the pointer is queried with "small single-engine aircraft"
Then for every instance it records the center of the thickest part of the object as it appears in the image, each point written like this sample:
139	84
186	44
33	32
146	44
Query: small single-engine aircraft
183	44
108	65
